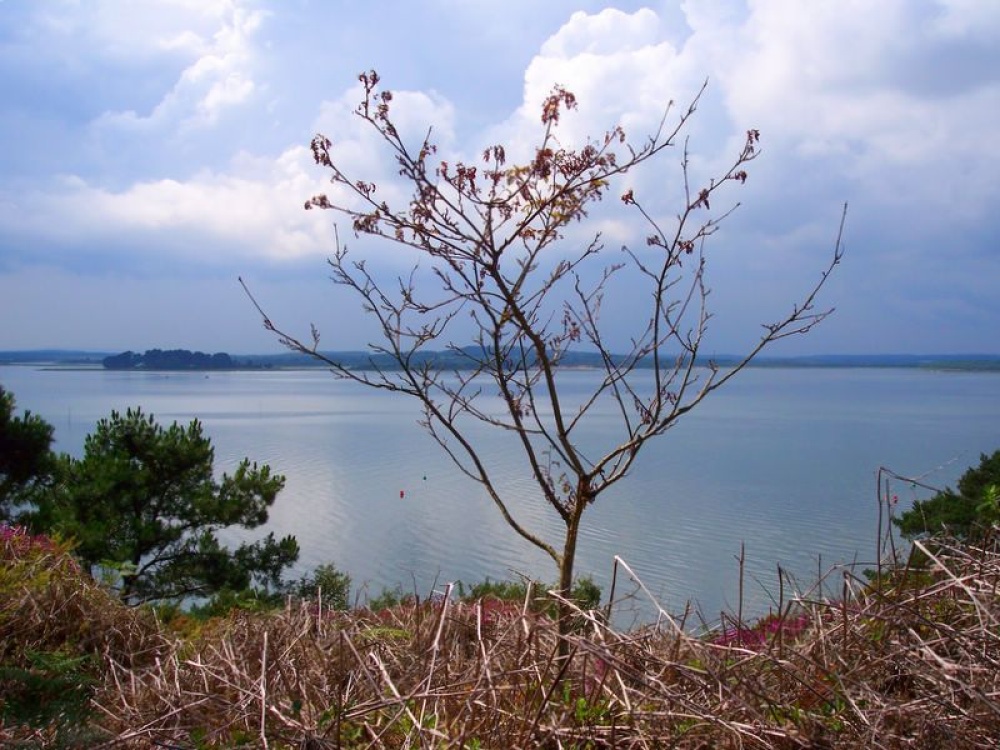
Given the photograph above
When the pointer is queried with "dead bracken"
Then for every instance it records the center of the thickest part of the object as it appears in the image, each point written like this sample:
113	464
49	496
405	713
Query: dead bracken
911	661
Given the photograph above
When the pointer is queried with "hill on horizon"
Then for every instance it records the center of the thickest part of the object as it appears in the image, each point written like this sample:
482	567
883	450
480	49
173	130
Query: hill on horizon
450	359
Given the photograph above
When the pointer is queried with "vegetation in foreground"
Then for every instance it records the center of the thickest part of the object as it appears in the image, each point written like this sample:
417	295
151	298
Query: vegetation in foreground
910	663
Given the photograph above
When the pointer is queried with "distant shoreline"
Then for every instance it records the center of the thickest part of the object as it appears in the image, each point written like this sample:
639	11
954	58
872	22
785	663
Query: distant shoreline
451	360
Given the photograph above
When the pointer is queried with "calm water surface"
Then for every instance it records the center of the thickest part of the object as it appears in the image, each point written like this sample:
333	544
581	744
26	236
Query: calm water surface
781	461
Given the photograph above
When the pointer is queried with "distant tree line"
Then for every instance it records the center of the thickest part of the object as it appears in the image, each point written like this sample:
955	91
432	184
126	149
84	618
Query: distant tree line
460	358
170	359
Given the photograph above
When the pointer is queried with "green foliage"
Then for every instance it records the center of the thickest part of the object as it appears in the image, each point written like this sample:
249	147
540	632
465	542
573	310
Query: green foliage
507	591
989	508
26	459
333	585
390	598
965	514
51	686
586	711
224	602
585	594
145	509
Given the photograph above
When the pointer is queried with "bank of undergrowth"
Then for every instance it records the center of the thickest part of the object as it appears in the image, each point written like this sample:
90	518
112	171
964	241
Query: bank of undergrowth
909	662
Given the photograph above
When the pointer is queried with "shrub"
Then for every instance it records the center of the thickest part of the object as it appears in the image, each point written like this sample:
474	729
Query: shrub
967	514
58	628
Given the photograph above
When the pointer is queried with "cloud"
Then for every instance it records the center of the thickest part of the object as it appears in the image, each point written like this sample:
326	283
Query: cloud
251	210
217	53
621	67
846	84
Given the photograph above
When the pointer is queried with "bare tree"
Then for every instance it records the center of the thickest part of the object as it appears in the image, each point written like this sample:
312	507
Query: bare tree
497	239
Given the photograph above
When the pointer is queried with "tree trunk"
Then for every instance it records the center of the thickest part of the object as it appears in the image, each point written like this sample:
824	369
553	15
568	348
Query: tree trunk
566	566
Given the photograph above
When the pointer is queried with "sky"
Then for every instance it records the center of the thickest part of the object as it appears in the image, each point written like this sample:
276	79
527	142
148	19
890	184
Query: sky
153	152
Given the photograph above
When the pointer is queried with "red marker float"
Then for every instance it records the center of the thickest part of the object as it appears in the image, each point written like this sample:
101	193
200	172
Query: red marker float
402	494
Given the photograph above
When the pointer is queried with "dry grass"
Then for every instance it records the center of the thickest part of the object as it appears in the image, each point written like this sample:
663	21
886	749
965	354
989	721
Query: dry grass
913	665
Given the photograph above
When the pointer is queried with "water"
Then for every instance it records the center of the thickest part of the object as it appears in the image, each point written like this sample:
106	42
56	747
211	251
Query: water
780	461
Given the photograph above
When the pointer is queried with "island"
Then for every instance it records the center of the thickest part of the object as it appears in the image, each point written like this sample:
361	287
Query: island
170	359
